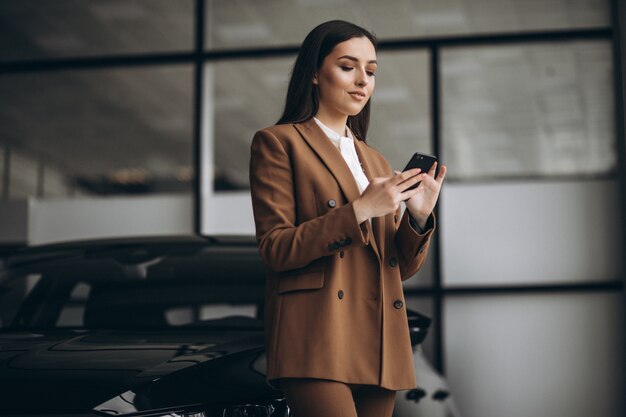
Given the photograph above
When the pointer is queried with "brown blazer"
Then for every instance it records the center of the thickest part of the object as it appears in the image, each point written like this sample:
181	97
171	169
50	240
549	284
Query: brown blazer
334	305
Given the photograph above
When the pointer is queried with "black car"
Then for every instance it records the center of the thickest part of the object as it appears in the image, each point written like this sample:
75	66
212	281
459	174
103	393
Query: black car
152	326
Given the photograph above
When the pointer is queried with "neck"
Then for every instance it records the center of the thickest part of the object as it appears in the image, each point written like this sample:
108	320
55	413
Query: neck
335	122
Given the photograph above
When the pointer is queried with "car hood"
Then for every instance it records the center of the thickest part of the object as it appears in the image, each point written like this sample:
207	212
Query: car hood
123	371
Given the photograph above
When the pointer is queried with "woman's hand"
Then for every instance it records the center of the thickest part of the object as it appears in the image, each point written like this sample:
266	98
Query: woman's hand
383	195
422	203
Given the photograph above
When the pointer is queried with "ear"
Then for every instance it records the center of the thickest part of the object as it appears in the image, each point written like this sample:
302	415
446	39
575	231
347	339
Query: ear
315	81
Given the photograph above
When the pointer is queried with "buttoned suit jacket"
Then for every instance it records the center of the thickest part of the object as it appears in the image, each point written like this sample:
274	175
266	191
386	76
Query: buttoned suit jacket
334	304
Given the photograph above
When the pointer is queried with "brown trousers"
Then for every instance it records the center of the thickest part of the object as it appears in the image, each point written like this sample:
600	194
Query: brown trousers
308	397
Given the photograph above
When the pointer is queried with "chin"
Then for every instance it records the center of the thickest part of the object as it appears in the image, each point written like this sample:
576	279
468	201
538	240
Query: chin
354	112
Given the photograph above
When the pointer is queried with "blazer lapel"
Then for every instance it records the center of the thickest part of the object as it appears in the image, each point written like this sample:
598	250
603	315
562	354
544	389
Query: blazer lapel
319	142
378	223
328	153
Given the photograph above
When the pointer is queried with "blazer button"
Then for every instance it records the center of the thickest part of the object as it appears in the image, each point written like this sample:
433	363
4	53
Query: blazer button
341	254
340	294
345	241
398	304
393	262
332	203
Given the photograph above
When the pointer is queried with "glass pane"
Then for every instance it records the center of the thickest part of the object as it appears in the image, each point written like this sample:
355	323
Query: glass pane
424	305
425	276
400	119
31	29
562	232
22	175
217	311
528	110
400	115
107	131
248	95
71	316
536	355
2	167
245	23
55	183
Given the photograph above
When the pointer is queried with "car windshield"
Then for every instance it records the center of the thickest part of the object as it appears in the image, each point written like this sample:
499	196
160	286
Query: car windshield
167	286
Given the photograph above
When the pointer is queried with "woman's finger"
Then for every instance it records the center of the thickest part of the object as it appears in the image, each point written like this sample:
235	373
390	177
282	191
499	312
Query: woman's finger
404	176
378	180
432	169
442	174
405	195
411	181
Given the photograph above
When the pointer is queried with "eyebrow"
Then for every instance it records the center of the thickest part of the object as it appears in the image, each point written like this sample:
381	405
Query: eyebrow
373	61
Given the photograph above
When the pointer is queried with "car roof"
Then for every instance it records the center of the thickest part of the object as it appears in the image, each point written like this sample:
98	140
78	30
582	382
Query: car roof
60	250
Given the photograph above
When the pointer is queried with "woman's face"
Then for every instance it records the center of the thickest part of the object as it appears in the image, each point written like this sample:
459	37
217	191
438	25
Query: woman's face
346	78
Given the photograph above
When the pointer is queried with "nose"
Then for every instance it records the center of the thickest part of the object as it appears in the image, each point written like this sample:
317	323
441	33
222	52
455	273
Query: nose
361	79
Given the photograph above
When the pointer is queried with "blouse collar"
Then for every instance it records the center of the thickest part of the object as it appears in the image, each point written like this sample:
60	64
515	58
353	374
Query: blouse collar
334	136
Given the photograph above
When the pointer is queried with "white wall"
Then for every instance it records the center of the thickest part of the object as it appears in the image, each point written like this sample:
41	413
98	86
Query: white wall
540	354
228	213
36	221
538	232
535	355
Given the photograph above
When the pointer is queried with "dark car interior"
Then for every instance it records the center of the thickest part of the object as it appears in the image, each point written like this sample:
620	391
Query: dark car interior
145	287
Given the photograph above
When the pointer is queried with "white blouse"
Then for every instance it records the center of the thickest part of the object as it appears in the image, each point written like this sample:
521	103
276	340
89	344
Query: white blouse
345	144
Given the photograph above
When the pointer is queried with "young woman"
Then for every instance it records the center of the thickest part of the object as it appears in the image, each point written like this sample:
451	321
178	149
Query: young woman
330	230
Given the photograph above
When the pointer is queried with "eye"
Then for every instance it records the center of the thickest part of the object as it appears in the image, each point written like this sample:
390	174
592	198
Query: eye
346	68
371	73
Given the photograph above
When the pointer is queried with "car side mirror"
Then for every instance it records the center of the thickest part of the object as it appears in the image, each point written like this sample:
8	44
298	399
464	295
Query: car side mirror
418	326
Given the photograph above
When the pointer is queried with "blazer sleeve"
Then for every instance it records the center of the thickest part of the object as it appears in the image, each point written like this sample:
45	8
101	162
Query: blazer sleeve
412	245
283	244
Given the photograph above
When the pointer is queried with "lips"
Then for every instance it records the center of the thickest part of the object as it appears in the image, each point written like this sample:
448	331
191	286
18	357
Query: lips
357	94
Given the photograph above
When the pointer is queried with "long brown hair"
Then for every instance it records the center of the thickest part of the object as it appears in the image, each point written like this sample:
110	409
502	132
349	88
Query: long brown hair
302	101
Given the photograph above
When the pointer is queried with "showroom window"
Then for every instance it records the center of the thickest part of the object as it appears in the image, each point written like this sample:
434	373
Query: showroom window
529	110
99	132
524	278
84	119
250	23
248	94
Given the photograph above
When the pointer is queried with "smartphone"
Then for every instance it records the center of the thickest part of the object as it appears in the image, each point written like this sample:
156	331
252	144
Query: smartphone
420	160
